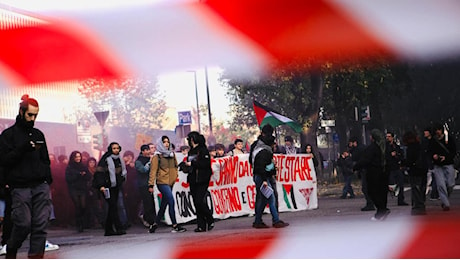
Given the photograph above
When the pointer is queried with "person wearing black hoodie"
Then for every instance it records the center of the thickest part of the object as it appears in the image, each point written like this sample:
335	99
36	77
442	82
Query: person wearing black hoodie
199	175
25	160
77	177
373	160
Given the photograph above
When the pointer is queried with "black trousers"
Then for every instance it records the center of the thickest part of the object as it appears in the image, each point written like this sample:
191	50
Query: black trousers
112	222
418	188
203	213
79	199
365	190
377	183
30	213
148	202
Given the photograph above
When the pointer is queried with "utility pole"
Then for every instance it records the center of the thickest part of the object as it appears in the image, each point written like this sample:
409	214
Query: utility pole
196	97
209	102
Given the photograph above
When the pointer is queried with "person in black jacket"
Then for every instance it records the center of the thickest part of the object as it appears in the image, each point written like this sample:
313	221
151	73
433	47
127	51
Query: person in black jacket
77	177
345	164
25	160
199	175
373	160
417	165
393	165
110	175
263	170
442	149
267	130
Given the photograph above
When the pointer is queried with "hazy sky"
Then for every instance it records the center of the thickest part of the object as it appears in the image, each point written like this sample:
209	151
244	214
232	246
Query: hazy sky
179	90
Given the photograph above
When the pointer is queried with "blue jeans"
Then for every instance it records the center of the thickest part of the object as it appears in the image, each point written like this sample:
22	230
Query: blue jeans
347	189
445	180
261	202
167	199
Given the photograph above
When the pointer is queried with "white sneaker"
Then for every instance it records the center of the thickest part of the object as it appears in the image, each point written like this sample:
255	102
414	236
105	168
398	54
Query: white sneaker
3	250
50	247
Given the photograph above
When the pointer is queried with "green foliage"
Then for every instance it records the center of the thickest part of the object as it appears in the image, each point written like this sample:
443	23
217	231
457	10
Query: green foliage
288	91
298	90
133	102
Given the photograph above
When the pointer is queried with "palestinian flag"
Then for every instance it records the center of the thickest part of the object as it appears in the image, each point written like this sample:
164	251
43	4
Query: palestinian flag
267	115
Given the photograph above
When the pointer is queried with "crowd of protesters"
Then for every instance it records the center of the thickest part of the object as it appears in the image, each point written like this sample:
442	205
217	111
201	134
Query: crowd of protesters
384	166
116	191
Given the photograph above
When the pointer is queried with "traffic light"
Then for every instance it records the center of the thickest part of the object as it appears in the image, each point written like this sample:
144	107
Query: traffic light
98	142
365	113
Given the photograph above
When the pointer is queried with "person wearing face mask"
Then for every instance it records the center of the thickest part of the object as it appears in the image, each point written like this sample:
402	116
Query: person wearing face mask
25	160
110	175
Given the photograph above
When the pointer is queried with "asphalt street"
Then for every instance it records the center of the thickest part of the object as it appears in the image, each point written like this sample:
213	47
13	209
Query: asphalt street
335	220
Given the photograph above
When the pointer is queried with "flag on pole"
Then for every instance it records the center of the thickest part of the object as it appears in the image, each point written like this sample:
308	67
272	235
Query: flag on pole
267	115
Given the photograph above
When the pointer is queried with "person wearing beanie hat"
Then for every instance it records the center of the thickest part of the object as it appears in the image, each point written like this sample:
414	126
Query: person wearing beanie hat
26	161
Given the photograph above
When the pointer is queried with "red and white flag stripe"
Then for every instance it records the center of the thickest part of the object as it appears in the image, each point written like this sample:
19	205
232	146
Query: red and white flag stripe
152	37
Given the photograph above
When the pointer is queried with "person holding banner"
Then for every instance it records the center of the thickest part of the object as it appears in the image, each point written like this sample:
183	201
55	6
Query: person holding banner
263	170
198	167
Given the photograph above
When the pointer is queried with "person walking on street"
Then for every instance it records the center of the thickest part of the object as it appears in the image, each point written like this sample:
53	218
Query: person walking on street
264	168
110	174
142	165
267	130
356	151
417	165
431	180
345	163
163	174
199	175
77	177
373	160
393	164
442	149
25	161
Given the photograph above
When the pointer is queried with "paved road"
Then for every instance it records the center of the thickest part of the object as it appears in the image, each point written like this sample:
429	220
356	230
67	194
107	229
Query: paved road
337	229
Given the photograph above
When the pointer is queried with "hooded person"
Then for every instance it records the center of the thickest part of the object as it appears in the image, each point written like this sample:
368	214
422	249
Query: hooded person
110	174
199	175
373	160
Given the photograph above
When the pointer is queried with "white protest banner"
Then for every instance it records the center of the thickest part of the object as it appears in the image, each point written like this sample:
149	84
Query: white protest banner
232	190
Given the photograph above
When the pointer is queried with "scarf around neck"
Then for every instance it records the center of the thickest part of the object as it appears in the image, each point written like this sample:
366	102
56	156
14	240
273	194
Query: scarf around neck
111	166
162	150
259	147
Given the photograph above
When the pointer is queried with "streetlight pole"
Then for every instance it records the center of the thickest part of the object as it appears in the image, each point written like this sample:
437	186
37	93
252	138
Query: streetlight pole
209	103
196	96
